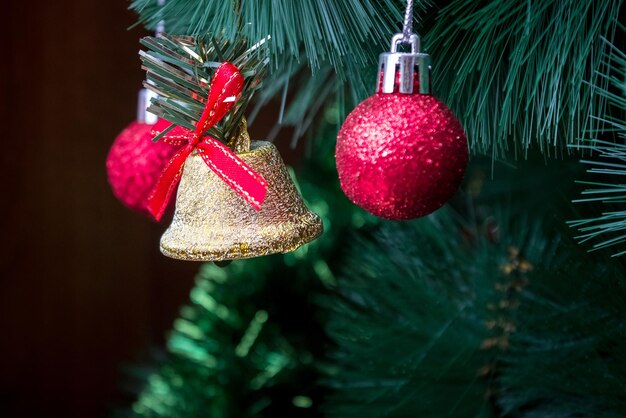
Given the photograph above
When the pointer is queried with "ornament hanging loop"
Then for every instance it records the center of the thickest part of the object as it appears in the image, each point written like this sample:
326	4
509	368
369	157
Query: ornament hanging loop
413	40
404	72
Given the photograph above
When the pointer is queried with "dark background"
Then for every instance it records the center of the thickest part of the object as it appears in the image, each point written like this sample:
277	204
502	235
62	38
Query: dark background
84	290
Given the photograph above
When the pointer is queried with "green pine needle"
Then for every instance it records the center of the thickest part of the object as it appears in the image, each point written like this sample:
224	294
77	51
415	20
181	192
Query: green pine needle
323	31
179	71
609	163
569	357
517	73
320	51
415	306
501	317
228	355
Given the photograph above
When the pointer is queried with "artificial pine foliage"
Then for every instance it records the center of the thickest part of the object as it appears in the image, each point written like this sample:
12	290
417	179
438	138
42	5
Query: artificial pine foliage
408	327
320	51
568	356
608	161
321	31
479	311
518	74
243	347
180	69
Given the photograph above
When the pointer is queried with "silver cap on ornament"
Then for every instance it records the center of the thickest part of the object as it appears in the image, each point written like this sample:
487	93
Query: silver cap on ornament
143	102
404	72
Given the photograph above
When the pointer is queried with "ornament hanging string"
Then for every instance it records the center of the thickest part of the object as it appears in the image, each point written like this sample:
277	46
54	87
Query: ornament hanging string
407	29
226	86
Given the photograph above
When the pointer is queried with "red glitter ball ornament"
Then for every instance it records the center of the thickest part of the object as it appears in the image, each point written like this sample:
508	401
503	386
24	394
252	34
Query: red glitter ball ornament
135	163
401	156
402	153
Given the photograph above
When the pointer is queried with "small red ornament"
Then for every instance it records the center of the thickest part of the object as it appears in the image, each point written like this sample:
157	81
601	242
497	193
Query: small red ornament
135	163
401	153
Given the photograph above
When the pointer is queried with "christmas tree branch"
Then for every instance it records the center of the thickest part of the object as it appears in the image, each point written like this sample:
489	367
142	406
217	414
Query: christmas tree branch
518	74
609	162
179	70
488	310
320	51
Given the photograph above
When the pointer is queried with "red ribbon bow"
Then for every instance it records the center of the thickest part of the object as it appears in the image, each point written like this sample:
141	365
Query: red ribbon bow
225	89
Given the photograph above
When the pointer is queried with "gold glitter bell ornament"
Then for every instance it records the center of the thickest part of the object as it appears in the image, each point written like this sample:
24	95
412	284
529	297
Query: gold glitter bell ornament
212	223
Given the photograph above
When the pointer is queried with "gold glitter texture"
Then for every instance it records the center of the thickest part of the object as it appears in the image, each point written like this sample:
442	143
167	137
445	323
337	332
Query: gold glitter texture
213	223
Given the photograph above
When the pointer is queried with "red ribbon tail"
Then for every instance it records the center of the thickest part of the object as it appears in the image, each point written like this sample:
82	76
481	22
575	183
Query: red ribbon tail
165	186
233	171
